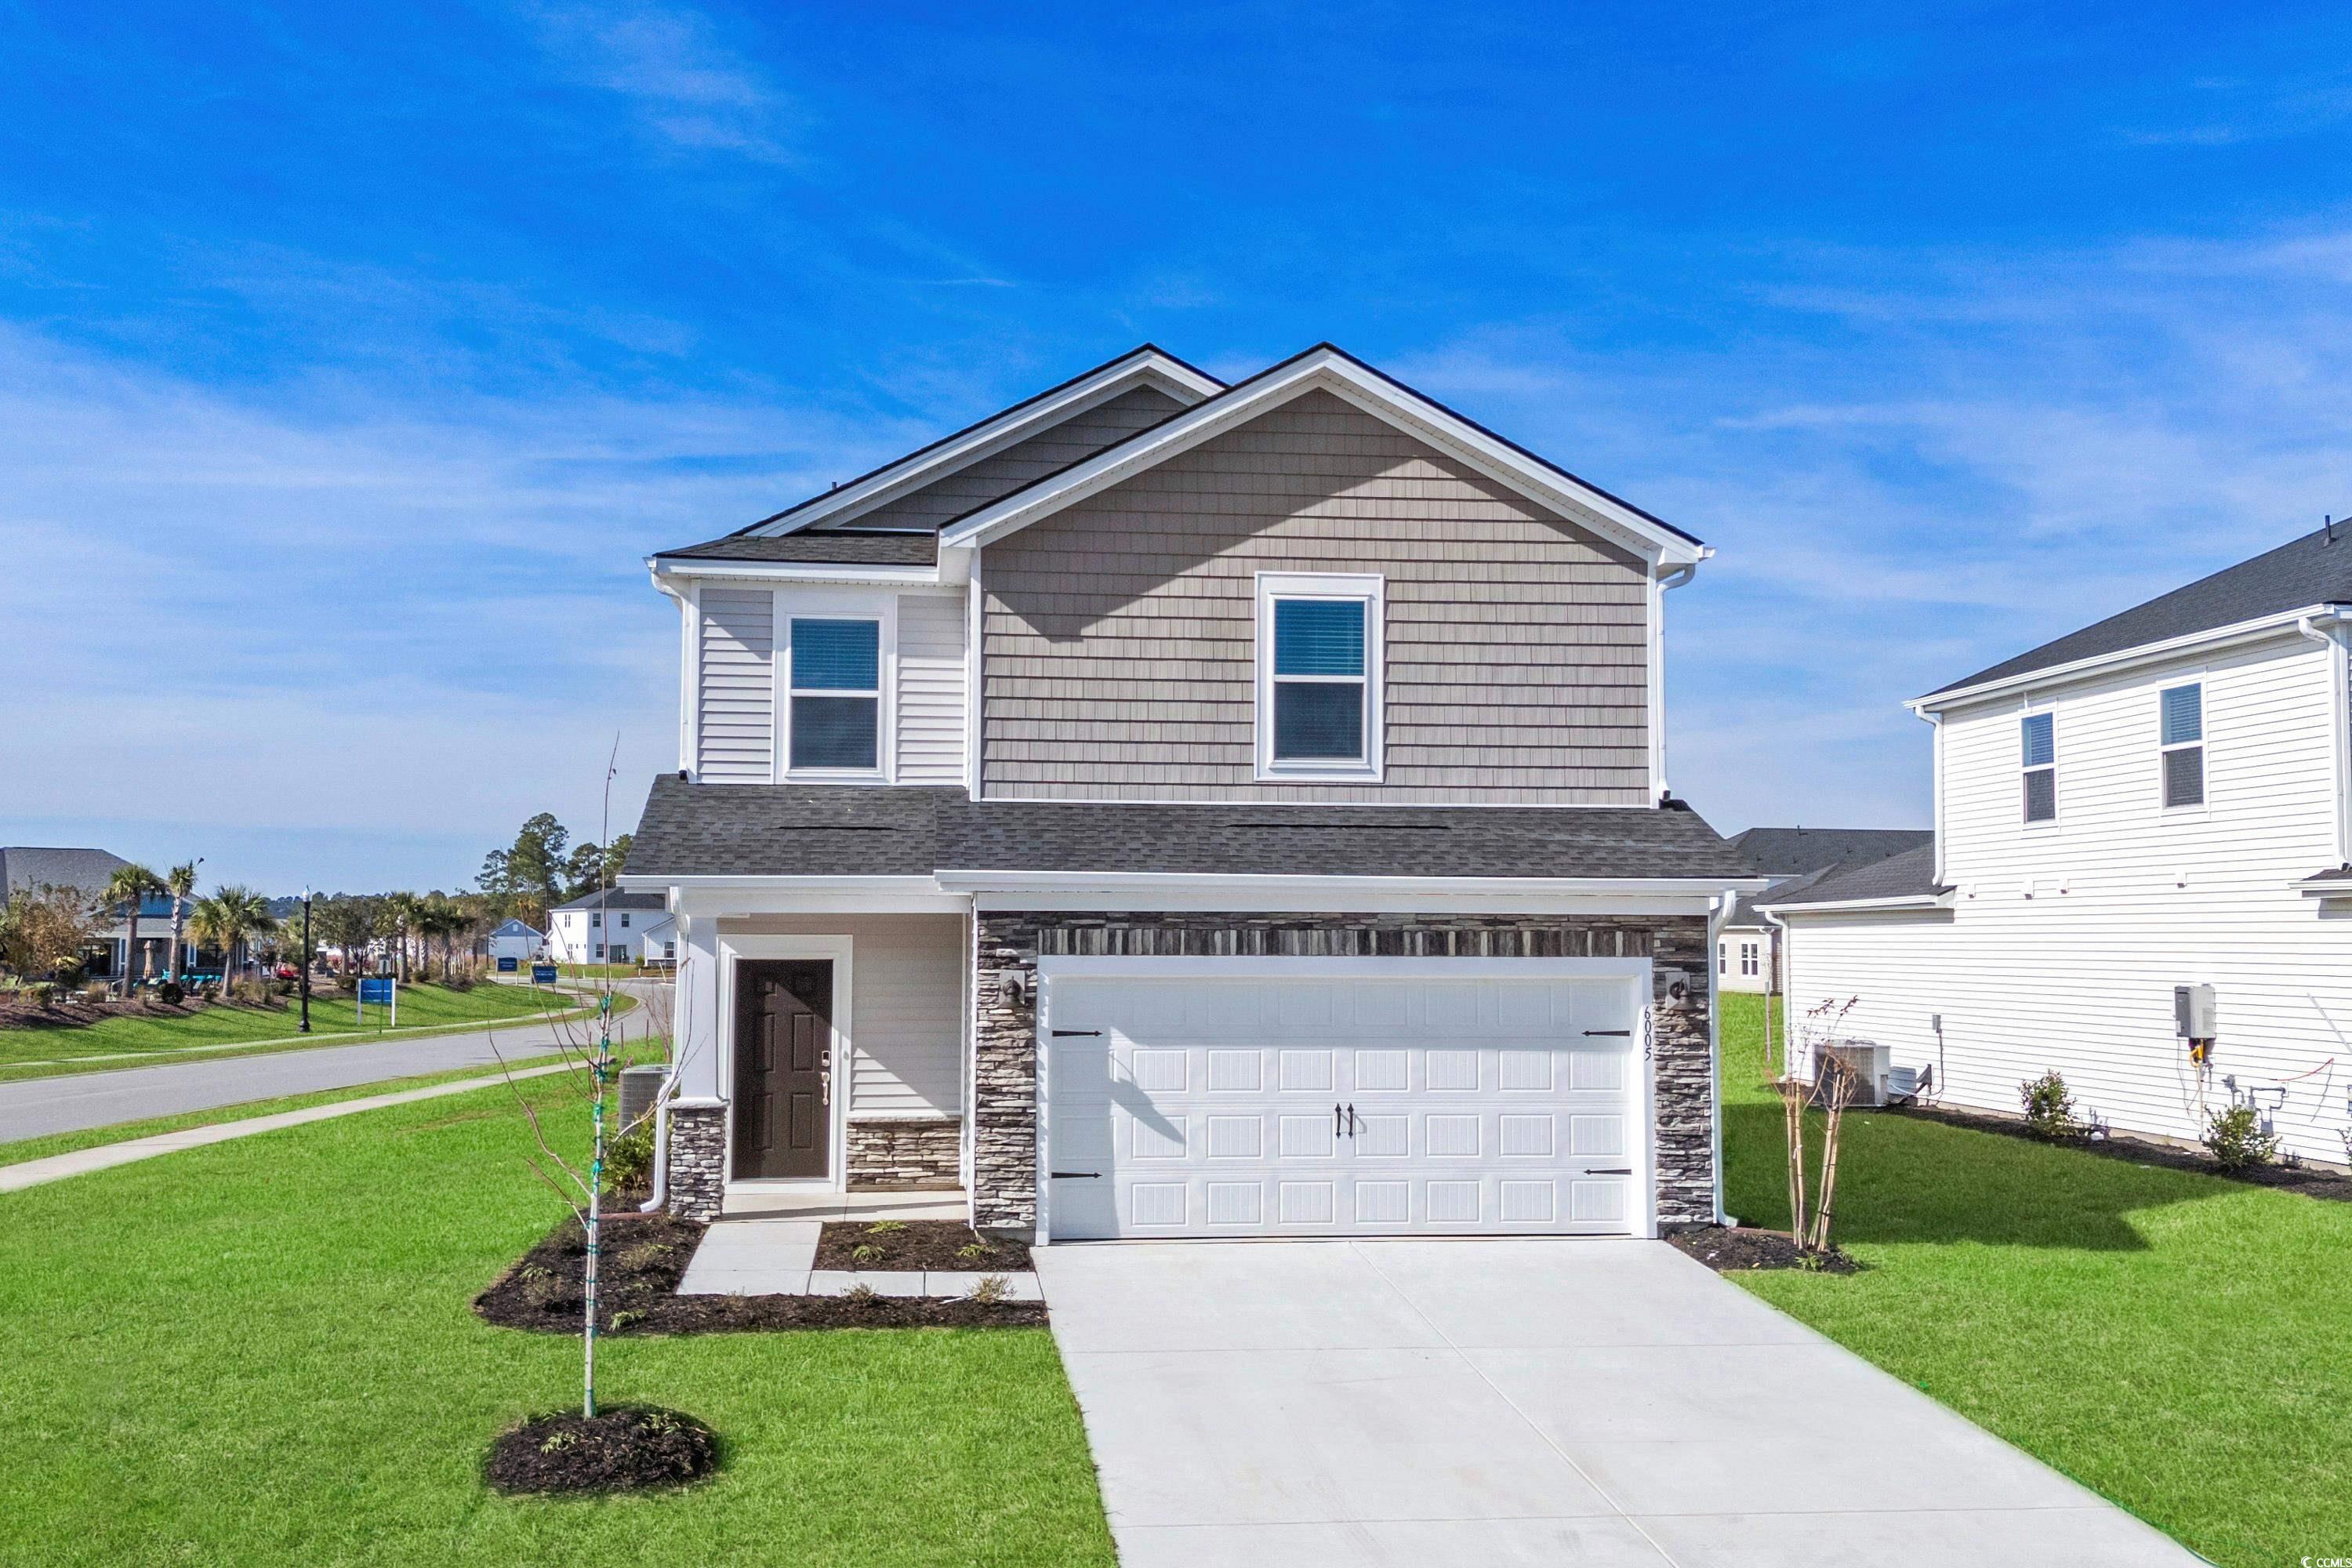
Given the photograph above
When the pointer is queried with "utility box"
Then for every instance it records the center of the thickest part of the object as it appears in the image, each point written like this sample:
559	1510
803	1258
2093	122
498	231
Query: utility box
2193	1013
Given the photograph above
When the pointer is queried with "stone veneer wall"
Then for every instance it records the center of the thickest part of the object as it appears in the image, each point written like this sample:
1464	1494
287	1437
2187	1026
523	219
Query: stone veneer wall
906	1155
1004	1104
698	1160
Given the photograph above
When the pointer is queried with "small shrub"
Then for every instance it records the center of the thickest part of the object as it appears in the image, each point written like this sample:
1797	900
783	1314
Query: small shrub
2050	1108
972	1251
559	1441
886	1227
622	1320
2236	1139
861	1295
864	1252
171	993
629	1159
39	992
991	1290
95	991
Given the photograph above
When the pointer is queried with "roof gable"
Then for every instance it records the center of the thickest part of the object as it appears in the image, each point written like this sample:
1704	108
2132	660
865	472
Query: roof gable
1331	368
1147	368
24	867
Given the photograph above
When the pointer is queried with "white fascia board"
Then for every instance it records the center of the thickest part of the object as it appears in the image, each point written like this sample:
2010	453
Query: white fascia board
793	572
991	435
1840	906
1327	370
992	892
2126	659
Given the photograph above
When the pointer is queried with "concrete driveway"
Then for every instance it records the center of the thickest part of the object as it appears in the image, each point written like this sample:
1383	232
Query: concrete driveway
1501	1403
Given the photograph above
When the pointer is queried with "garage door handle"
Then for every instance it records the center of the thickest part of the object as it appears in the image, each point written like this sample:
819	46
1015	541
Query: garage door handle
1065	1034
1613	1171
1076	1175
1611	1034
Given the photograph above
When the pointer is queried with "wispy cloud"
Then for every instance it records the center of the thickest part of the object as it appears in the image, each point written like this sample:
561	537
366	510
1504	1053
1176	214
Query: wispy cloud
689	87
361	618
2231	112
1980	451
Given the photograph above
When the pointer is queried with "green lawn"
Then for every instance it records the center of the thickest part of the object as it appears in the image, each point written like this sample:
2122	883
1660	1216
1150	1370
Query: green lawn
2180	1343
421	1007
260	1352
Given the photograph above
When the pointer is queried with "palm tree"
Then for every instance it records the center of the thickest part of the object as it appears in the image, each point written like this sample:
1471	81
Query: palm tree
180	881
407	911
231	917
131	885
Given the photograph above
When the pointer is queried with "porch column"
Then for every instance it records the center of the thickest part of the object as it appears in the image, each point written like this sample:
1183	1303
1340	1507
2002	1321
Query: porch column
696	1170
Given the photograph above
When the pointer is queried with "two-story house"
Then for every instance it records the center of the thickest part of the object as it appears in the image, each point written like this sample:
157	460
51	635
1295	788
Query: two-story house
1175	809
2139	876
605	927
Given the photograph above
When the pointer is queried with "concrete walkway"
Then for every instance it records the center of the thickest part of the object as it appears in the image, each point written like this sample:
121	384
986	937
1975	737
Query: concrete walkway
38	1107
778	1258
1527	1402
57	1167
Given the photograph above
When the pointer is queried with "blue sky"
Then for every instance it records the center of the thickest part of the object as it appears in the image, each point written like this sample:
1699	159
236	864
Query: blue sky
351	362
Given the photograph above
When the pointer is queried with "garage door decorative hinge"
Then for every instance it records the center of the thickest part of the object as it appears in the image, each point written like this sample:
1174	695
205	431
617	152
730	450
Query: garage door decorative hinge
1064	1034
1076	1175
1610	1034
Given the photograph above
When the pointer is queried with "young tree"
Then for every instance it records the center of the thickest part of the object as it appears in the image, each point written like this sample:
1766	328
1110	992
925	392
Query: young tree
129	887
180	881
1833	1087
345	923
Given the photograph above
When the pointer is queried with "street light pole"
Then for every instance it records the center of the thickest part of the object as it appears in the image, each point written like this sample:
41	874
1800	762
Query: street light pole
305	960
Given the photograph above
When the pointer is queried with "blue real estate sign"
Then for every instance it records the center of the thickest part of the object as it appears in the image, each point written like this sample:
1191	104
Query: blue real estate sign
507	965
385	993
542	974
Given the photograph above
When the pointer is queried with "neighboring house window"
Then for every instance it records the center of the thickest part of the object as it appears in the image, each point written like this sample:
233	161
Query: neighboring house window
597	921
837	696
1723	958
600	950
2038	740
669	949
624	922
1318	697
2184	745
1747	958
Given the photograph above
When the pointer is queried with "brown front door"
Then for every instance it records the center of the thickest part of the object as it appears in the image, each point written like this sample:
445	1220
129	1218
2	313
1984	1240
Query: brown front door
783	1070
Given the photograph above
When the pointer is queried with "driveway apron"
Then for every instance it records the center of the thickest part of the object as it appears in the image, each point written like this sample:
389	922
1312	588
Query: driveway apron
1501	1403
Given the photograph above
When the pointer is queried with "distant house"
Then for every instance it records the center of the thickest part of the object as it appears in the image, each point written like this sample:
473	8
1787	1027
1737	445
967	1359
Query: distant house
1748	947
515	940
2140	875
658	947
29	867
608	927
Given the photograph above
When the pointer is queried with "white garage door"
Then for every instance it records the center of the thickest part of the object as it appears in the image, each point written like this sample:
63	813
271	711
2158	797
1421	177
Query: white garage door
1203	1102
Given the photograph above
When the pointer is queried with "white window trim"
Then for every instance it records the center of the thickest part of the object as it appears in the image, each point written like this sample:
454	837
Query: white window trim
884	611
1370	588
2057	805
2202	806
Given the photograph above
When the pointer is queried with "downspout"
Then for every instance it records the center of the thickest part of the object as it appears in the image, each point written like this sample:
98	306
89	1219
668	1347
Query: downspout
1660	786
2326	630
1715	1050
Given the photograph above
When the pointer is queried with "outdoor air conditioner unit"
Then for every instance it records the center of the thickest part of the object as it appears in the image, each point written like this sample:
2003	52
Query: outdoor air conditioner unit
1867	1059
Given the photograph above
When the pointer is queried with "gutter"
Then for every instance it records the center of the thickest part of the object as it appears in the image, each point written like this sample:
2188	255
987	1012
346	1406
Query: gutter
1942	901
2126	659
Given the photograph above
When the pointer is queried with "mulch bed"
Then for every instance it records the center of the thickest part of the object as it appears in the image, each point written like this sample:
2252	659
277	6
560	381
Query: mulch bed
645	1256
2311	1181
630	1449
1729	1250
918	1244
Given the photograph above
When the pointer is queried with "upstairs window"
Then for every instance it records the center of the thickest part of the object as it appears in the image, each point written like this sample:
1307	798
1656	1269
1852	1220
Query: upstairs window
835	696
1318	676
2183	745
2037	748
1747	958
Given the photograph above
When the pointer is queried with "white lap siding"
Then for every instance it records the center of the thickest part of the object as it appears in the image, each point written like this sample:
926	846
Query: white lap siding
2064	941
737	700
906	1025
931	716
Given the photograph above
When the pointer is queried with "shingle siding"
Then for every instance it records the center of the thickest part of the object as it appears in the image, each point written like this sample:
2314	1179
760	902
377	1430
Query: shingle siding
1120	634
994	477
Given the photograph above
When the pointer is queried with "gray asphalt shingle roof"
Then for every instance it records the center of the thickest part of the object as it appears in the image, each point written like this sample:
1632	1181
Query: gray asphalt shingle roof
1911	874
24	867
614	899
2309	571
831	546
761	830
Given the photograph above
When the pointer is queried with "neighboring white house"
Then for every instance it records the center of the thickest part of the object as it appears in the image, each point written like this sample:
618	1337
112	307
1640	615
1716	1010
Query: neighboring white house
2142	824
1748	946
513	938
657	943
603	927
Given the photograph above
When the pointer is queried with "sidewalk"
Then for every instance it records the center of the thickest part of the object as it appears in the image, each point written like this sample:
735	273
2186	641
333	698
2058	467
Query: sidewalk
57	1167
